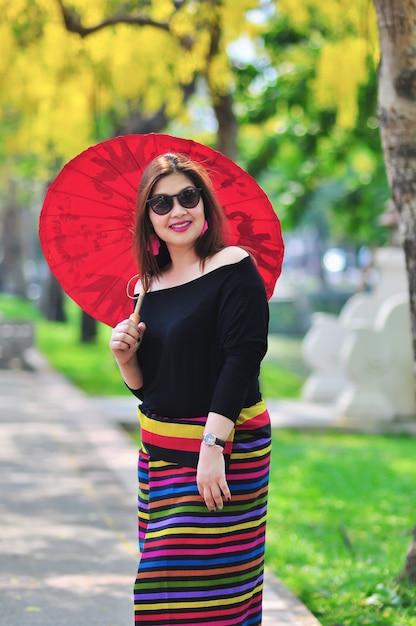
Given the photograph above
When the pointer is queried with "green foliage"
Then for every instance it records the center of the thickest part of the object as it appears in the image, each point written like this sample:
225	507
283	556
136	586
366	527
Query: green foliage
318	167
73	72
340	512
305	101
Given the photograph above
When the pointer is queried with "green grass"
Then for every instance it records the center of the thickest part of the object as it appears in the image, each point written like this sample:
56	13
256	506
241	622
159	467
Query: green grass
341	508
283	371
91	366
12	307
277	382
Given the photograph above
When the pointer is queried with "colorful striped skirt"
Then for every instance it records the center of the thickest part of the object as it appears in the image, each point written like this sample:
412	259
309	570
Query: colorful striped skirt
197	566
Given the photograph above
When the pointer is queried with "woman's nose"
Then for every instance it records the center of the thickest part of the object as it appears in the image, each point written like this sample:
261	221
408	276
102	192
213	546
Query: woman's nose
177	208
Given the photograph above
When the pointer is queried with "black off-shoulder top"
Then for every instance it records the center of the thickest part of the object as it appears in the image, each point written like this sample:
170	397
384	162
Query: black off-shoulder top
204	343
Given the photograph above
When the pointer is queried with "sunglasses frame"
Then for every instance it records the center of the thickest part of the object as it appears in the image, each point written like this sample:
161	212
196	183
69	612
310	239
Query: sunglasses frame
169	200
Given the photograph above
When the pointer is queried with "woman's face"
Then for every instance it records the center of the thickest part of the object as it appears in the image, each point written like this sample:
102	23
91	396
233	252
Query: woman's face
180	226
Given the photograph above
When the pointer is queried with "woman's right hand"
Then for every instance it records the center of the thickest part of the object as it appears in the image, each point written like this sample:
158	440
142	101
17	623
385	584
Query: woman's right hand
125	340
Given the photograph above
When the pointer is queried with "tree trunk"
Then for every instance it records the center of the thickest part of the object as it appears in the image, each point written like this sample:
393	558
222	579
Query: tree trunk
397	115
227	126
222	100
88	328
12	278
52	300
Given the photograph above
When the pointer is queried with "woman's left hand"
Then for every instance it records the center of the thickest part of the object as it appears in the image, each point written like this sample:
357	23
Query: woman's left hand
210	477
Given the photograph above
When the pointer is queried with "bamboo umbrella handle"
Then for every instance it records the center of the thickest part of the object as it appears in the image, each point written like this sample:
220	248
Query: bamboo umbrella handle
135	316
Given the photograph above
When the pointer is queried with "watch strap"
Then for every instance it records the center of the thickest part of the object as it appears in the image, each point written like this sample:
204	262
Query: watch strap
212	440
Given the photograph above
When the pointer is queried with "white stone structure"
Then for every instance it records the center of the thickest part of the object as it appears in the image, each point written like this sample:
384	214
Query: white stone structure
362	361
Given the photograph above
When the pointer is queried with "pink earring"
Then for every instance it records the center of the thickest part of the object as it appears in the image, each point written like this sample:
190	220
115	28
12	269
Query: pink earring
153	245
204	228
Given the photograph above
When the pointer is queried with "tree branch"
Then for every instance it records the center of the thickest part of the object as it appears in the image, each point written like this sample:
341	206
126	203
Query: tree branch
73	22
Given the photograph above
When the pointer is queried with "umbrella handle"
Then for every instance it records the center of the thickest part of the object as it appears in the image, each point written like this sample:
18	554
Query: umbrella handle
135	316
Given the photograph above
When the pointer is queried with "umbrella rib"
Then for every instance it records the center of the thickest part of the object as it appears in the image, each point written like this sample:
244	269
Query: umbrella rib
113	190
92	200
140	169
119	172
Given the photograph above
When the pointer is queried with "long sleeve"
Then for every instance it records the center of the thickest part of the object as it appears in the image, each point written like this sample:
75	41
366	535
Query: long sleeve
243	323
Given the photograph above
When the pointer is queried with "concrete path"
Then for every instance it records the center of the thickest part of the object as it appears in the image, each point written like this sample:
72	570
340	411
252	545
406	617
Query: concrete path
67	509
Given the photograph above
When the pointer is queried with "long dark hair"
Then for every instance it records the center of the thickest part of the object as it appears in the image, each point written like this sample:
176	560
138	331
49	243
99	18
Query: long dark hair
208	244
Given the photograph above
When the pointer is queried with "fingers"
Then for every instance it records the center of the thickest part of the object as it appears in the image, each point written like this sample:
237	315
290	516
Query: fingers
213	488
141	328
225	491
215	496
210	477
127	336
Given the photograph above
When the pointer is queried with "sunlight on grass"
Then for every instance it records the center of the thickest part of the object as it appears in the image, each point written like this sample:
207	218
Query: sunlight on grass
15	308
340	512
277	382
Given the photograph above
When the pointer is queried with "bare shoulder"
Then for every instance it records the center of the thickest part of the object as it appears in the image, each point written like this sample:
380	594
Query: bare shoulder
138	287
226	256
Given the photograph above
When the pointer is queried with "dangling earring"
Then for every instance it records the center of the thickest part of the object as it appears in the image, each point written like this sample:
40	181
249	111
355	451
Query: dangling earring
153	245
204	228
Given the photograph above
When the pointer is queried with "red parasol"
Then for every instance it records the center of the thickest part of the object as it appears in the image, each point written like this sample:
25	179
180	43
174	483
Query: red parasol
87	219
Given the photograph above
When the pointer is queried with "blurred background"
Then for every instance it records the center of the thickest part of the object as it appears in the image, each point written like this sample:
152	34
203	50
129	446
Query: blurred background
288	89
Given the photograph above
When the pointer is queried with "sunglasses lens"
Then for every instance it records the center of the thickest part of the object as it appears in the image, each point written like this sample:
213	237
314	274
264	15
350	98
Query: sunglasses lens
189	197
161	204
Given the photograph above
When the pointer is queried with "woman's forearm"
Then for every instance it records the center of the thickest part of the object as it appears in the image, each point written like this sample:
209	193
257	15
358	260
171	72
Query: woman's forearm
218	425
131	373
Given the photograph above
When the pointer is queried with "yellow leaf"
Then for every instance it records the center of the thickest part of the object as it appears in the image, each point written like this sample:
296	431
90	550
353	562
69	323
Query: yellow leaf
342	68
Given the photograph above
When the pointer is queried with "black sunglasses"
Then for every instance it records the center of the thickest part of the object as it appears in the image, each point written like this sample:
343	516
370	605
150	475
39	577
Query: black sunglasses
188	198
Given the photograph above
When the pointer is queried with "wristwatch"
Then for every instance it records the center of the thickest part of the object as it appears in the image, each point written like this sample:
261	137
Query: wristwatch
212	440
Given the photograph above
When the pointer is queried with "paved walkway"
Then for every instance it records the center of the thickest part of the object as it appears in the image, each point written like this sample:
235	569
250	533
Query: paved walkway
67	509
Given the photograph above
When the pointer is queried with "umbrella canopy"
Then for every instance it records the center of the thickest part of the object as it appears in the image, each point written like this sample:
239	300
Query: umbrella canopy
87	219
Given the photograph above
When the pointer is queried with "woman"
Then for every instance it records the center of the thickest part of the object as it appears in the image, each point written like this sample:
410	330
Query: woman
204	460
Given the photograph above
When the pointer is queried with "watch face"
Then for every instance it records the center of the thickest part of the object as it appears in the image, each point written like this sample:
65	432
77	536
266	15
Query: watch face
209	439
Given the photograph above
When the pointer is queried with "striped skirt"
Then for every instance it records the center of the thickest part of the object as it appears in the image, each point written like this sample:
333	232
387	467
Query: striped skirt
197	566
